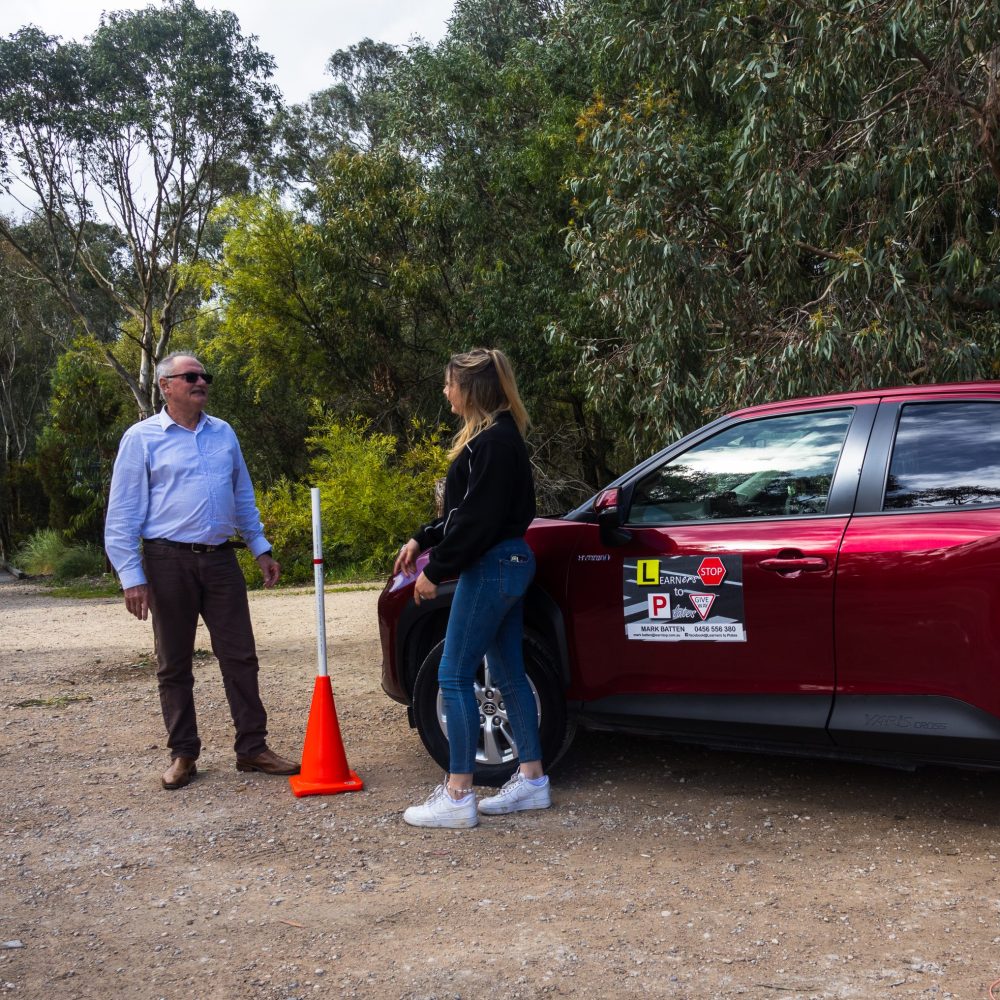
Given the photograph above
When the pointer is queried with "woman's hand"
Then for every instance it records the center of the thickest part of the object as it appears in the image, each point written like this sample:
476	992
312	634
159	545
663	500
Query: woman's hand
424	590
406	561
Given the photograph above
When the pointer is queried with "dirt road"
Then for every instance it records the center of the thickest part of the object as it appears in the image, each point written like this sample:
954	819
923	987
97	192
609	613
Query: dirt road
660	871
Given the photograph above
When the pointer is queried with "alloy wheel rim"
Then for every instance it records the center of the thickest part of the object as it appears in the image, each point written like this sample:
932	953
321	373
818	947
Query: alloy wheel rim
496	744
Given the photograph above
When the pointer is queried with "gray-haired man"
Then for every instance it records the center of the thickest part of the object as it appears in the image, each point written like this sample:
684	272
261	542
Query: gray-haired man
181	486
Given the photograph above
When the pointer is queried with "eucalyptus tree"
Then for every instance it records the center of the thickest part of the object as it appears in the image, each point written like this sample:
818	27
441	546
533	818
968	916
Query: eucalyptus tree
786	198
350	114
140	129
429	217
491	112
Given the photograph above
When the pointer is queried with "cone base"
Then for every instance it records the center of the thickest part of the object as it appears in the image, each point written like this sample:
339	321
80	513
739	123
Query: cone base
304	786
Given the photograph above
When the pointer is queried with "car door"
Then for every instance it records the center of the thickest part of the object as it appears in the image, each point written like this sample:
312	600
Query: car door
719	606
918	587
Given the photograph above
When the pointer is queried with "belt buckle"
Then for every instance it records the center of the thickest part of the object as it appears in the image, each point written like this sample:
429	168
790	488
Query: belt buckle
200	548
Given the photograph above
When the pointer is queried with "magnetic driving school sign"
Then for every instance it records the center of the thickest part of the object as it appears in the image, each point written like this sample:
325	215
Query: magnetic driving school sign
676	598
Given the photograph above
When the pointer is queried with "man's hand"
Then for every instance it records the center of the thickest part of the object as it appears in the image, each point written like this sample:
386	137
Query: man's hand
270	569
424	590
406	561
137	601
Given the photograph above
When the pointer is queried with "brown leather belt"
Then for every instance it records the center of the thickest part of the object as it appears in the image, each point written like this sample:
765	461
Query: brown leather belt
195	546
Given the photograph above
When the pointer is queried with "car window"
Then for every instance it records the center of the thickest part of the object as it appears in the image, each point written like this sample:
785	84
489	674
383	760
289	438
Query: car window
773	467
945	455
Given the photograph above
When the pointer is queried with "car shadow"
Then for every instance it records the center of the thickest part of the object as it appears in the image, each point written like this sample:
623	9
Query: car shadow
663	768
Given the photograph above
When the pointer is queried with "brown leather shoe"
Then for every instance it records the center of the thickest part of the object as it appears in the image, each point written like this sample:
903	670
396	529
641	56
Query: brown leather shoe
179	774
268	762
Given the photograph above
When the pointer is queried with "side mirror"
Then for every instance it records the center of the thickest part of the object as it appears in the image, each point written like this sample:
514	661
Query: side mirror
609	520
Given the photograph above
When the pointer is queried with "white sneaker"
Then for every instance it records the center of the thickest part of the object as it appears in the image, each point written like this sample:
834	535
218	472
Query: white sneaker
516	795
441	810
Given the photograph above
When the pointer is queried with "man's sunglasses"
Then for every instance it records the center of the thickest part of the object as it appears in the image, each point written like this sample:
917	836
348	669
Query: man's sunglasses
192	377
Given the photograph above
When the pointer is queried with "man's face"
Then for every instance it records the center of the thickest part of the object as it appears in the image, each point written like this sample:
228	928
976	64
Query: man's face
180	394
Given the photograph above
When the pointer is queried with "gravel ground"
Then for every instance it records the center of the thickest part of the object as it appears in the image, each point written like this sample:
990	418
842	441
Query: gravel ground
660	871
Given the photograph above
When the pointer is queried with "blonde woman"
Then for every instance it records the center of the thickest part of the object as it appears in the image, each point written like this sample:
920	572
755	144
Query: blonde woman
489	503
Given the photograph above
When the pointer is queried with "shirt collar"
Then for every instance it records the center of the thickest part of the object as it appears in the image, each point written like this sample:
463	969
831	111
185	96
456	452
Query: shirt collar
166	421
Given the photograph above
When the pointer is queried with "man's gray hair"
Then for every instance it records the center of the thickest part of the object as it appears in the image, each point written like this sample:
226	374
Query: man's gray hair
166	365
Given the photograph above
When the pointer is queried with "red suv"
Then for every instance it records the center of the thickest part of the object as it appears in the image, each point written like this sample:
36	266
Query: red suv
818	576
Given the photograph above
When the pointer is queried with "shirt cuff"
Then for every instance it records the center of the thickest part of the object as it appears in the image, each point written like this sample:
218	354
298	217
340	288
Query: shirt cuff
132	578
259	546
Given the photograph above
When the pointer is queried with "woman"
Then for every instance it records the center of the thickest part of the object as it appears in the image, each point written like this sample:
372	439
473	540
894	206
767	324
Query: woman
489	501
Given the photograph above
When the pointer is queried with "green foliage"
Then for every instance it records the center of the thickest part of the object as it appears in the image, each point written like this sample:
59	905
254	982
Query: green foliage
32	334
89	411
270	404
492	111
79	561
41	553
660	210
346	300
430	218
87	587
48	553
133	135
371	500
23	503
785	199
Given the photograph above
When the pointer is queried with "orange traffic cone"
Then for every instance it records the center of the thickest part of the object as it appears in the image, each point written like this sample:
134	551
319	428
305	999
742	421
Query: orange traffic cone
324	763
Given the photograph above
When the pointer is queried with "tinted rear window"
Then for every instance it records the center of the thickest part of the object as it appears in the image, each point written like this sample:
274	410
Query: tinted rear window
945	455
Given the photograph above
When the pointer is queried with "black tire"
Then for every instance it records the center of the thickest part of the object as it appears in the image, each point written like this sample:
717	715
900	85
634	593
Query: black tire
495	757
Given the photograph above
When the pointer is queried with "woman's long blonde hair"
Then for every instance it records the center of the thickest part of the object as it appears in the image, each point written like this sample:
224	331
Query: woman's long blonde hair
486	381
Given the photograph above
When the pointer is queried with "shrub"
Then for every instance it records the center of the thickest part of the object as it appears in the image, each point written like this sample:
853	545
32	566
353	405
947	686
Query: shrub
371	499
41	553
79	561
89	410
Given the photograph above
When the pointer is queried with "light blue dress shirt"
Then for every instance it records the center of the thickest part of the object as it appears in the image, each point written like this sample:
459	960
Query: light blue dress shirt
188	486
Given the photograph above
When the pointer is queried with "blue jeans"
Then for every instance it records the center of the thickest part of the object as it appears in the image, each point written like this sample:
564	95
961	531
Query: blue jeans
487	619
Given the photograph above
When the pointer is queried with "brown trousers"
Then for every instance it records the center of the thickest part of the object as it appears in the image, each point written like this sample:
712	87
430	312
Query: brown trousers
182	586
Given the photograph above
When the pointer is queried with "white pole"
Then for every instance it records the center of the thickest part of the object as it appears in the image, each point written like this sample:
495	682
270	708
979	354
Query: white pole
318	574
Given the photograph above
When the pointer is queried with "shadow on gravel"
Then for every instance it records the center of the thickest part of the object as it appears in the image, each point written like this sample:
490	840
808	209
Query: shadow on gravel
662	769
139	666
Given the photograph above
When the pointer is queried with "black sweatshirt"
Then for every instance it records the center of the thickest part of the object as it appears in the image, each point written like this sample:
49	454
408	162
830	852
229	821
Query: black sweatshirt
489	496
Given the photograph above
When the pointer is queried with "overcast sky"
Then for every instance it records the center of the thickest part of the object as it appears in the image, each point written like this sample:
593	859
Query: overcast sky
300	34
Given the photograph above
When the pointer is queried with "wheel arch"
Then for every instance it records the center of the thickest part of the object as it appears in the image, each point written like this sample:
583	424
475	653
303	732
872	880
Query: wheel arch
422	628
544	617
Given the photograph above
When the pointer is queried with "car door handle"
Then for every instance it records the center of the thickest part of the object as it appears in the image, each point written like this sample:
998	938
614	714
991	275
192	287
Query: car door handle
811	564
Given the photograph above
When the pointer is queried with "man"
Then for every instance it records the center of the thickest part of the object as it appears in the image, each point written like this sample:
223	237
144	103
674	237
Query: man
180	484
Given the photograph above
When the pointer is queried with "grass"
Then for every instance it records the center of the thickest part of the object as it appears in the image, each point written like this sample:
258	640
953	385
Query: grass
77	569
83	560
102	586
41	553
57	701
353	573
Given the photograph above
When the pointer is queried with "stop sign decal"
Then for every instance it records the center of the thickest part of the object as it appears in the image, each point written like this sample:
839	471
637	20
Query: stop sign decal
711	571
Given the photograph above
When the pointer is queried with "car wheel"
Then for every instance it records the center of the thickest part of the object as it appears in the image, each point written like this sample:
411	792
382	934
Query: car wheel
496	754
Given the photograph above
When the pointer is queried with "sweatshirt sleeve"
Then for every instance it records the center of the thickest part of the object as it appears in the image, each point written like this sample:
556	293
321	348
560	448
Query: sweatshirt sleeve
430	534
470	527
